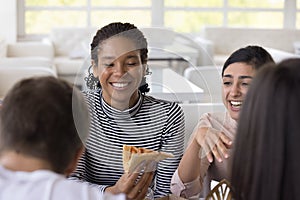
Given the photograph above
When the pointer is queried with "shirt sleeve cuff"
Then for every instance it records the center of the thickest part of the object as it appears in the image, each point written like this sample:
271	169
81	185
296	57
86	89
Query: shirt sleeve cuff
187	190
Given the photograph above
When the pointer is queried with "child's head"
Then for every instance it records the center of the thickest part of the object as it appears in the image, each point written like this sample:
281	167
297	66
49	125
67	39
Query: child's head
45	118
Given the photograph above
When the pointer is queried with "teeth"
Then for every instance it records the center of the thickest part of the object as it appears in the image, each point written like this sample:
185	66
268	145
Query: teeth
236	103
120	85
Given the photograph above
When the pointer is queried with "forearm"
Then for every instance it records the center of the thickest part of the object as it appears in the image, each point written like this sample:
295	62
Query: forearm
188	169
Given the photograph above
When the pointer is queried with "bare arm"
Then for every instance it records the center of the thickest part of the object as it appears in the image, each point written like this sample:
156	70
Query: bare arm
189	162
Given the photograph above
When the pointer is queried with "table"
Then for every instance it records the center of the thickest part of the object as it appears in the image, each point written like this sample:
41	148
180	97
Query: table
168	85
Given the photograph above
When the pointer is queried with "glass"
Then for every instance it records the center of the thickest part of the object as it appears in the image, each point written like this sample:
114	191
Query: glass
195	3
127	3
41	22
257	3
140	18
298	20
191	22
55	2
256	19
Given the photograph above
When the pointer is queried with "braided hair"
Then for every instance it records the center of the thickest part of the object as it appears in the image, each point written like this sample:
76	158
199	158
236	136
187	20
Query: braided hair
126	30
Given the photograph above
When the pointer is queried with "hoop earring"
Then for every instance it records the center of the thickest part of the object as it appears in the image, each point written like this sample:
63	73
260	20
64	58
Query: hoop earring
148	72
91	81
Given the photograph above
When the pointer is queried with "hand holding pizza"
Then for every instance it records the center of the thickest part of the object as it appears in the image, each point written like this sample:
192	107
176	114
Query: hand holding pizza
139	165
134	185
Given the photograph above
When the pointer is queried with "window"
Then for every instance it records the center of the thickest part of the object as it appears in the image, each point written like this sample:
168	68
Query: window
298	15
38	17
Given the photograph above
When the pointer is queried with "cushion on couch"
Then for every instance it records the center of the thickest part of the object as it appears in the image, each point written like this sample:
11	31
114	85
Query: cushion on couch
29	49
71	41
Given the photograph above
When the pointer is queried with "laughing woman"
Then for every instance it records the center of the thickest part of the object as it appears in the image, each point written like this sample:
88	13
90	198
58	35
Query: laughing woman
121	114
215	131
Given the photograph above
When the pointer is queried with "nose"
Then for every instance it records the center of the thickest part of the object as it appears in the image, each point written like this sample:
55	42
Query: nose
120	69
235	90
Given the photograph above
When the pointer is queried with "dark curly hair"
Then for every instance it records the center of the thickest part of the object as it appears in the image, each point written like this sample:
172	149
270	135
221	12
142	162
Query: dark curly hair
126	30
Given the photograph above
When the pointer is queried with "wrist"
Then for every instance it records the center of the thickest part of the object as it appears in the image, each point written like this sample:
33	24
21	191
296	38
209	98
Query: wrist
110	189
195	143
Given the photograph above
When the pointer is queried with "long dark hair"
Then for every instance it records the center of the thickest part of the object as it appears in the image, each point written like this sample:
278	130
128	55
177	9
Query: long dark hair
127	30
265	160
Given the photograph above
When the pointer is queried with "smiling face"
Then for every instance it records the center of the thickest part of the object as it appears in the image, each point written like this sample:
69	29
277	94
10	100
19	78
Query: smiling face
237	78
120	71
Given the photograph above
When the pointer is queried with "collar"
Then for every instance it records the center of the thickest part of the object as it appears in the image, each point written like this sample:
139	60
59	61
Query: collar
120	114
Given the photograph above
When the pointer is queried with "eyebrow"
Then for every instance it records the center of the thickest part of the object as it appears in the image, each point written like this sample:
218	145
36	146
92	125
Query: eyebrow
114	58
240	77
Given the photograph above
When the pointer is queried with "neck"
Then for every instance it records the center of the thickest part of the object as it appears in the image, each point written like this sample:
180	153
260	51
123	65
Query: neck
19	162
123	105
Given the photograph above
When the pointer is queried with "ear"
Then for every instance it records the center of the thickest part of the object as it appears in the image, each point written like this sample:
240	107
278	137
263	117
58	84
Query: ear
94	68
72	166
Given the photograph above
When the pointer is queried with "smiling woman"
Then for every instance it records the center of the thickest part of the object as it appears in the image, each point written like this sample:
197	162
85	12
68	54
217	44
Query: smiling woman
215	132
122	114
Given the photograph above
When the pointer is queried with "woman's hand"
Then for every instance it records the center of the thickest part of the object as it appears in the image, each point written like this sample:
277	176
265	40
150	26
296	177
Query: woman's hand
132	186
213	143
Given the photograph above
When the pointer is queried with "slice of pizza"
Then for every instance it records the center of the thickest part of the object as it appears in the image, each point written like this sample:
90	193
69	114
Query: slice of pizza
133	156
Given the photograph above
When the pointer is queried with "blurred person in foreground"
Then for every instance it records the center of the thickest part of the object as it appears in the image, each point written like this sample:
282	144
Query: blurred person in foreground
266	159
43	124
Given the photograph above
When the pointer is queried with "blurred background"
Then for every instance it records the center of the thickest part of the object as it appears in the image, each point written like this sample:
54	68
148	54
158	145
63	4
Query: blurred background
31	19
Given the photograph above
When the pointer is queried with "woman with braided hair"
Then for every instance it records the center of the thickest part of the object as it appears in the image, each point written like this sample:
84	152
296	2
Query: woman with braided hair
121	113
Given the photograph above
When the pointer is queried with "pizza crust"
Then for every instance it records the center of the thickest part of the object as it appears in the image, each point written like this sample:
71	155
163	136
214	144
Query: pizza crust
133	157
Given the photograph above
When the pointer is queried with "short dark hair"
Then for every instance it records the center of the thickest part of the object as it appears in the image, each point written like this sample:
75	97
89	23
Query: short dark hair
255	56
265	159
43	117
126	30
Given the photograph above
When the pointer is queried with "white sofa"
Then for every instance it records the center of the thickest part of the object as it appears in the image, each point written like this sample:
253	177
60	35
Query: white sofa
22	60
10	75
71	47
225	40
27	54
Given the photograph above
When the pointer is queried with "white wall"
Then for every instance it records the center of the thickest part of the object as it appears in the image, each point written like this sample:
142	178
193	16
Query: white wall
8	20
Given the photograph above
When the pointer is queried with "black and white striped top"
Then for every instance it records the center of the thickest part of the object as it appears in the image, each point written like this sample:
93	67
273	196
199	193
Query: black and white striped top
151	123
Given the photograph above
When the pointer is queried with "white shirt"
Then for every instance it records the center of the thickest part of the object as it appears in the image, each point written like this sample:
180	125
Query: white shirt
46	185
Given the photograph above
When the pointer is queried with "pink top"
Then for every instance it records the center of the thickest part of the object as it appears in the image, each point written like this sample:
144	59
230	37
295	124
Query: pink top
209	171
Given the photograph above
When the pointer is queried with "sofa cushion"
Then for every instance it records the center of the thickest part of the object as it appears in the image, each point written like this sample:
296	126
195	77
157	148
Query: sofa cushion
30	49
68	40
66	66
27	62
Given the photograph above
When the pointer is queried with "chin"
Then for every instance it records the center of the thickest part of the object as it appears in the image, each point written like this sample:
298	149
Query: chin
234	116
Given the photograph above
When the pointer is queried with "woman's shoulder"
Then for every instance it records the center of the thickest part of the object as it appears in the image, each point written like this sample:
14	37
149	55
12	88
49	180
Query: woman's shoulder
160	102
170	107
